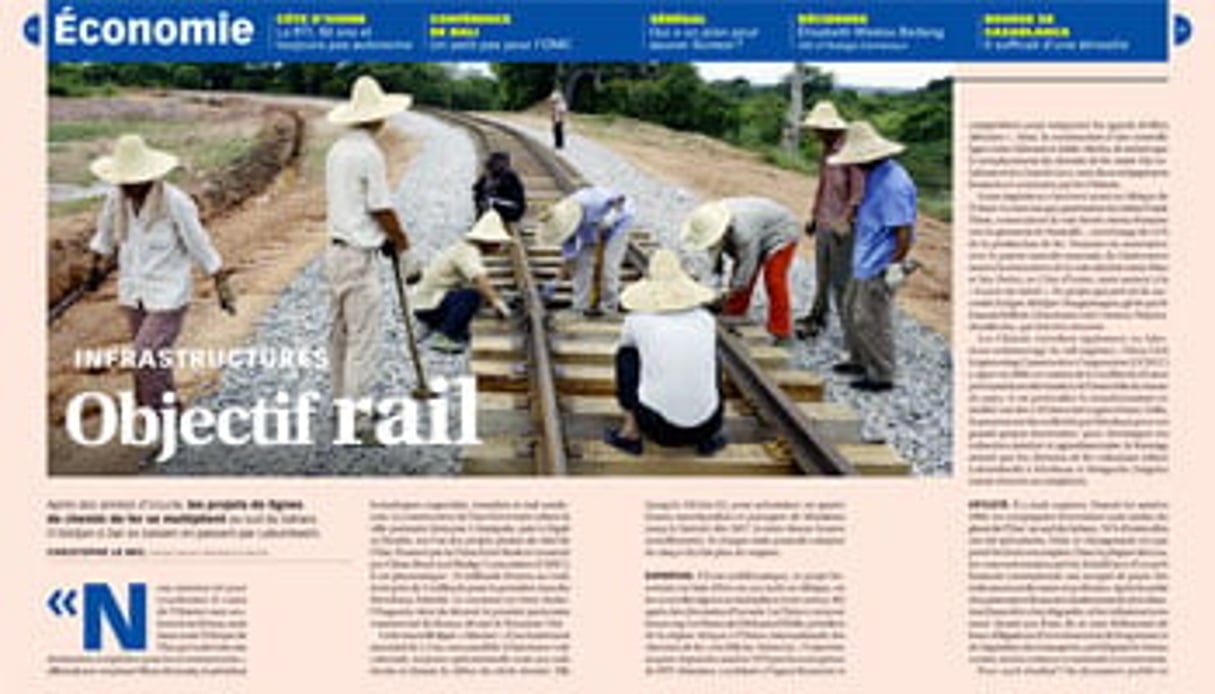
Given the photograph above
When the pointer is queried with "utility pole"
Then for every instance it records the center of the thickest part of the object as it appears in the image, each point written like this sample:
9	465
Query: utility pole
793	128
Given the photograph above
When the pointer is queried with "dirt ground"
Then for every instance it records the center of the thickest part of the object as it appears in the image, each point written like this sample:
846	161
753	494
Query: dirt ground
265	240
231	149
715	169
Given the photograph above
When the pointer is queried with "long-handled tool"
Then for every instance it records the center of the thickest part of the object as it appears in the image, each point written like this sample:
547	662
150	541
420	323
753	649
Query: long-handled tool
421	391
596	298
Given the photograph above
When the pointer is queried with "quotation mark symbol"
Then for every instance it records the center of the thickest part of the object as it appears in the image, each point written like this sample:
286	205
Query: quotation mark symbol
62	602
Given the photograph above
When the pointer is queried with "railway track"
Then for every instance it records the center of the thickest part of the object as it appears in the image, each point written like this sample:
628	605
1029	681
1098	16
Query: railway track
546	384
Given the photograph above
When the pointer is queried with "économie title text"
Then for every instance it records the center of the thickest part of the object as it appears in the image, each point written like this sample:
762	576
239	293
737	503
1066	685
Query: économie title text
218	29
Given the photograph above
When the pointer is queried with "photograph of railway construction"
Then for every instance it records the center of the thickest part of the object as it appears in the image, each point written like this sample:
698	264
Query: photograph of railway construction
499	269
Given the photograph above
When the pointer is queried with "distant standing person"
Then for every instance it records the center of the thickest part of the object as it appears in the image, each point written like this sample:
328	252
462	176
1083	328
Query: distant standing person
362	224
831	215
155	230
885	223
592	227
559	108
499	188
667	371
759	235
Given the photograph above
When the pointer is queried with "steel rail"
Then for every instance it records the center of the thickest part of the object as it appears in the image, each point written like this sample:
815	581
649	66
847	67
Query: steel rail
550	450
809	449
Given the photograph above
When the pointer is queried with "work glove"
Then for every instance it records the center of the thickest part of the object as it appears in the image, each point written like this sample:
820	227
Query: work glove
411	268
609	220
388	249
809	228
897	273
227	297
503	310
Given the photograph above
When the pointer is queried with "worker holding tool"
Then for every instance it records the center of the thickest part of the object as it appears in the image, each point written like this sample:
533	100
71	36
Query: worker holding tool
362	224
592	227
154	229
760	236
885	232
500	188
455	283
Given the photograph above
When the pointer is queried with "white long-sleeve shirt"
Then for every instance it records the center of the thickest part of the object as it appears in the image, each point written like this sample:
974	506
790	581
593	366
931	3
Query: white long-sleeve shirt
678	363
156	248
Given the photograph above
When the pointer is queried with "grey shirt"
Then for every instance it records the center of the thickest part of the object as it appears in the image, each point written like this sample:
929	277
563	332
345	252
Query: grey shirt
758	227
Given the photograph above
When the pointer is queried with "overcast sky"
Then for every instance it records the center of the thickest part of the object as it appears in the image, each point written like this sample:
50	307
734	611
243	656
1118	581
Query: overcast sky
867	75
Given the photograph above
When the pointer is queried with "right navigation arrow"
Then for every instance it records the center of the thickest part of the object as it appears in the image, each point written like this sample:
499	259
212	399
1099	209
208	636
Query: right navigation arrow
1183	29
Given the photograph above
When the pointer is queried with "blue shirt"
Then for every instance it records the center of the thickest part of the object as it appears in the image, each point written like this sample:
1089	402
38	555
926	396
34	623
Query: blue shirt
596	203
889	203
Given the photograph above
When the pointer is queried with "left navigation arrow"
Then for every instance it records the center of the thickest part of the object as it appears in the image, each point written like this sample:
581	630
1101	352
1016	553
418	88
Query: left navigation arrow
32	29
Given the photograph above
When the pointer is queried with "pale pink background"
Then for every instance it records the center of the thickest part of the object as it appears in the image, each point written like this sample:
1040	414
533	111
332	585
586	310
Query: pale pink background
905	561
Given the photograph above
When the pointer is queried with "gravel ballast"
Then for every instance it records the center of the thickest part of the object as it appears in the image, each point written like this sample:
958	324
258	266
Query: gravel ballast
436	208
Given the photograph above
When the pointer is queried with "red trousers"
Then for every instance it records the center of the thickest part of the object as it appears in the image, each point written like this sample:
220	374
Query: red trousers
776	281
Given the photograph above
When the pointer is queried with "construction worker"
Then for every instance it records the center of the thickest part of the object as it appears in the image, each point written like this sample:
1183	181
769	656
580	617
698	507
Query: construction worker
154	229
455	283
885	224
362	224
758	235
557	112
591	225
500	188
667	370
836	198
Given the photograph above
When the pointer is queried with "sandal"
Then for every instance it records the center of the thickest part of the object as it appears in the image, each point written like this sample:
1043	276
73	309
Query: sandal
848	368
613	438
710	446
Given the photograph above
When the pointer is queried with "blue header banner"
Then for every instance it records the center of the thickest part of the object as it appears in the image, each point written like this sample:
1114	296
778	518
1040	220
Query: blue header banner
599	30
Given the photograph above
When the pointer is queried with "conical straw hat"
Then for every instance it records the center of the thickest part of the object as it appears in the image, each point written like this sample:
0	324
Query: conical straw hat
489	229
706	225
666	288
862	145
560	221
368	103
133	161
824	117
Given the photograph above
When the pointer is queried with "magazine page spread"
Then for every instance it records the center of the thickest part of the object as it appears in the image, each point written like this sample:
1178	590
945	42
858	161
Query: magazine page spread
591	346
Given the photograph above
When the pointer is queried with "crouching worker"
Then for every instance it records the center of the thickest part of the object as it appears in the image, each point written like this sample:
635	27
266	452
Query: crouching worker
155	230
592	228
667	371
757	234
456	282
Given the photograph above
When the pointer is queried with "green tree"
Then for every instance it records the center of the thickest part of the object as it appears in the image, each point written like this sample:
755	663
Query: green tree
522	84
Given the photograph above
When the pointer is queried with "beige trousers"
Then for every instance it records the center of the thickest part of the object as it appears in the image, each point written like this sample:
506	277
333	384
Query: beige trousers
354	319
